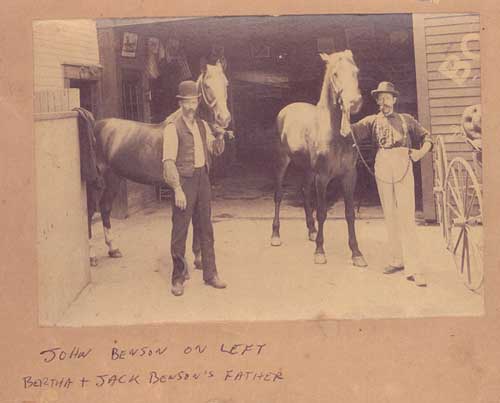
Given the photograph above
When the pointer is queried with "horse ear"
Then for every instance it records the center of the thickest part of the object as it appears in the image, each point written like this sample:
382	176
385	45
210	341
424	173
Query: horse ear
324	56
348	52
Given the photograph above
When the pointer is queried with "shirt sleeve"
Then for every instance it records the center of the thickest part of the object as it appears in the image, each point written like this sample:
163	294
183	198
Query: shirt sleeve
420	132
363	129
170	143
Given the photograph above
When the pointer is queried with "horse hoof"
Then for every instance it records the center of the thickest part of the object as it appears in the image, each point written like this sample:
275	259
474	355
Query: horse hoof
359	261
319	258
275	241
312	236
115	253
93	261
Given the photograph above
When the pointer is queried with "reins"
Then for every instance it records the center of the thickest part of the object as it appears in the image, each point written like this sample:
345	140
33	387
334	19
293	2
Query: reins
370	171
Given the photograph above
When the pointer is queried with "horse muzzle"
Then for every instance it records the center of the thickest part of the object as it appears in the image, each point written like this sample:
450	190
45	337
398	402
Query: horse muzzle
356	105
223	119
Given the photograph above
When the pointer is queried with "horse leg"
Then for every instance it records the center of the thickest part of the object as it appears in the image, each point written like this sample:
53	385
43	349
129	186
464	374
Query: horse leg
349	184
90	213
321	210
282	165
308	208
106	203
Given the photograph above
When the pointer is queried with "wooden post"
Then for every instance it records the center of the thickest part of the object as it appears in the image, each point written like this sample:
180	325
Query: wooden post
424	116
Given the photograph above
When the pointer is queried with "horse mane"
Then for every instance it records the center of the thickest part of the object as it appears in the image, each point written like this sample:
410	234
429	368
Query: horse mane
328	105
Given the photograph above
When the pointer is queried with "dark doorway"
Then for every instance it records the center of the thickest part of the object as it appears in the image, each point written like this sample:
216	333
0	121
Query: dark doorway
85	88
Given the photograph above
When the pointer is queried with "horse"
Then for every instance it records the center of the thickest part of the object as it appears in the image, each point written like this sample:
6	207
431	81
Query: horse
133	150
315	138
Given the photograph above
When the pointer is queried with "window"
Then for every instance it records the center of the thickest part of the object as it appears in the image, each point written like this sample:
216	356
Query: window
132	102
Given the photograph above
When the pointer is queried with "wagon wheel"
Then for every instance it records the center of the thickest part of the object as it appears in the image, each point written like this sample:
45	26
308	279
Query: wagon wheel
464	221
441	166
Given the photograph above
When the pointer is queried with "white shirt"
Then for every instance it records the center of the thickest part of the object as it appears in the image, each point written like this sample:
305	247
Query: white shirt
171	142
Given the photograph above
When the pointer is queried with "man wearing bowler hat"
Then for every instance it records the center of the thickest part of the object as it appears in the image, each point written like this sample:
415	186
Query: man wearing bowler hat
396	136
187	144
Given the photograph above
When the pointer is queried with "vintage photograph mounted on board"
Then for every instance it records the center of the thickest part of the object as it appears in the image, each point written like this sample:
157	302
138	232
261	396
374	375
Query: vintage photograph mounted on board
258	168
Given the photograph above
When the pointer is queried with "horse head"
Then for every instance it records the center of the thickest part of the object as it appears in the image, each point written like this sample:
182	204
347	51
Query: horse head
342	76
212	85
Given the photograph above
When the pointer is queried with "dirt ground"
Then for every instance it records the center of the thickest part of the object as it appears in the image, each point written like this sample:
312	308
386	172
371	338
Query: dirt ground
264	282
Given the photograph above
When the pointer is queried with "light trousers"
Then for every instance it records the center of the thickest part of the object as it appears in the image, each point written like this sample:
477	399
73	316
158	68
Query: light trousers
396	188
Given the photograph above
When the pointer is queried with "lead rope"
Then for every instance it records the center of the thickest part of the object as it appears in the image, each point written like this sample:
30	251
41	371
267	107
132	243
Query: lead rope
368	167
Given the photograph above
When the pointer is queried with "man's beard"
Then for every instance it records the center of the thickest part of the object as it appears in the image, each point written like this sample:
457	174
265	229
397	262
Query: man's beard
189	113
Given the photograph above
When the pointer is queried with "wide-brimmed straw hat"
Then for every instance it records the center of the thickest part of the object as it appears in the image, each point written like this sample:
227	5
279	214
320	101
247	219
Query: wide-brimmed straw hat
385	86
188	90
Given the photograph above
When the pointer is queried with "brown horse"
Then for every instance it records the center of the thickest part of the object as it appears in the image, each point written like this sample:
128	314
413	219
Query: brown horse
315	138
133	150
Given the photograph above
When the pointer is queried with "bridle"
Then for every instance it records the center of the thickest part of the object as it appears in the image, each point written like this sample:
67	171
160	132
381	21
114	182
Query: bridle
338	94
211	104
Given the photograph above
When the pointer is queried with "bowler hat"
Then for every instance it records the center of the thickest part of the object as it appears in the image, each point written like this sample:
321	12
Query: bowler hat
187	90
385	86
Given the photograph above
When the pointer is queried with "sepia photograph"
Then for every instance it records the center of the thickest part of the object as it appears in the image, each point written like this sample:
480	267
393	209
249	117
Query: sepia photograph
258	168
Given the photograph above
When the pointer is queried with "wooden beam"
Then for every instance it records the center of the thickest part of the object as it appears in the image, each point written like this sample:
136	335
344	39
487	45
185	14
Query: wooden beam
424	115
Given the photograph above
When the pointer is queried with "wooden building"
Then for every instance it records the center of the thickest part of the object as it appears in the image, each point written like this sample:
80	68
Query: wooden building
273	61
66	55
66	75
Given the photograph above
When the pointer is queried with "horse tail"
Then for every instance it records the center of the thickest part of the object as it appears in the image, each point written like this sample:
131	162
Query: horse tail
89	170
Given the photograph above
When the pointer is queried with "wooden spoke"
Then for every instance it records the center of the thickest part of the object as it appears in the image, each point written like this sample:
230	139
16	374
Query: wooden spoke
454	210
455	190
466	247
462	231
463	221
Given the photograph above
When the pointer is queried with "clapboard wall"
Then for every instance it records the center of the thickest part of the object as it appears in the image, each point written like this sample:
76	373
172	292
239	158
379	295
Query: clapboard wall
58	42
447	53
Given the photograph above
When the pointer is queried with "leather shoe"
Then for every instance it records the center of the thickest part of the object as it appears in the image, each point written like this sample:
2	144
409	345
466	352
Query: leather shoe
216	282
177	289
393	269
419	280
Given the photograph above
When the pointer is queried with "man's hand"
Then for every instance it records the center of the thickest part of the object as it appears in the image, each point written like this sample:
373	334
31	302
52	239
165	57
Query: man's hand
180	199
417	155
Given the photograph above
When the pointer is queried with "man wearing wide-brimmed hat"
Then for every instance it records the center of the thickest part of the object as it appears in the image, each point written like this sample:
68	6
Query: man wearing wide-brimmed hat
396	136
187	144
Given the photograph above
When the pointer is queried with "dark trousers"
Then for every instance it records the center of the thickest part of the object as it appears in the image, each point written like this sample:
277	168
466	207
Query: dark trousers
198	198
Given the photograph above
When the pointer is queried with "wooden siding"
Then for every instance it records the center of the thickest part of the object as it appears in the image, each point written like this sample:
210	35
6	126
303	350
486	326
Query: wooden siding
447	52
448	97
51	101
58	42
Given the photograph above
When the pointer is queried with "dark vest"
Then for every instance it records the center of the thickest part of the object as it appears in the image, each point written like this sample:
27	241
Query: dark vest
185	151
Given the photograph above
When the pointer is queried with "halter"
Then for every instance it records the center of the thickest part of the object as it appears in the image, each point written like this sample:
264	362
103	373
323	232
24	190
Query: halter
210	104
338	94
